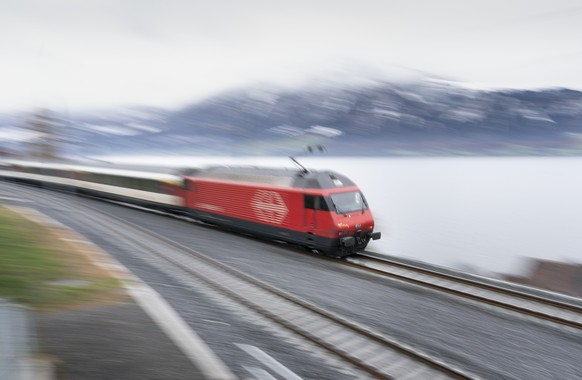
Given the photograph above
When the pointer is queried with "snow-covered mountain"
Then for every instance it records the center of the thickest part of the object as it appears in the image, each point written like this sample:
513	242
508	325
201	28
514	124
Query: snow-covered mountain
368	118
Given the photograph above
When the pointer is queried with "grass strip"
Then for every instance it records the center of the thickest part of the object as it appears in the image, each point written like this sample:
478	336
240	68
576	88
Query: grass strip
35	267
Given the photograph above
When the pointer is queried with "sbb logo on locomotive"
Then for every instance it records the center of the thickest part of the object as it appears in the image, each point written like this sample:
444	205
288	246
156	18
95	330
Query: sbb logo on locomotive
269	206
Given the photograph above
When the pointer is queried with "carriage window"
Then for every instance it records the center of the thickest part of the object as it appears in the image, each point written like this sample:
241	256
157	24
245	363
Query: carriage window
188	185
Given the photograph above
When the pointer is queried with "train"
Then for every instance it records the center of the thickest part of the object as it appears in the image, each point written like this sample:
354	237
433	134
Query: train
322	211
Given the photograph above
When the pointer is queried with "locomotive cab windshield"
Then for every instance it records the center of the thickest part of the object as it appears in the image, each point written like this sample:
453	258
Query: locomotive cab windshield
346	203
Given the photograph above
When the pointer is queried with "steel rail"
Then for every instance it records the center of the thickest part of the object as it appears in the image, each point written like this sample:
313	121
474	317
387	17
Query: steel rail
545	308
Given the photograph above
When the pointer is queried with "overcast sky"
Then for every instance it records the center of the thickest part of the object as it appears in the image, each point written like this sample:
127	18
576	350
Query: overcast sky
95	53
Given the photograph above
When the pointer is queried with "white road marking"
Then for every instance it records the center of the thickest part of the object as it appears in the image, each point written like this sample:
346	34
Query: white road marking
259	373
217	322
261	356
15	199
75	240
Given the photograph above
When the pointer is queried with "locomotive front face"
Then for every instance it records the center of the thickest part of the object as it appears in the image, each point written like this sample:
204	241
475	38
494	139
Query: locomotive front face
354	221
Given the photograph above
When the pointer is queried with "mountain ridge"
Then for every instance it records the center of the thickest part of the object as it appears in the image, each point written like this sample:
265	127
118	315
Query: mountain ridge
378	118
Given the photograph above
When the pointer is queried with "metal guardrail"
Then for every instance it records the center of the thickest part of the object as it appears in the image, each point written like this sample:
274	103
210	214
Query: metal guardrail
17	342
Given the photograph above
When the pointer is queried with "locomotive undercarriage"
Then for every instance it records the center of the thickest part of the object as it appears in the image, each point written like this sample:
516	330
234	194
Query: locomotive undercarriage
358	242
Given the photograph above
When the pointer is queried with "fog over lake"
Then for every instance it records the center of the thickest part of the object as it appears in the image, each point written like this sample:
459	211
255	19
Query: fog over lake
485	213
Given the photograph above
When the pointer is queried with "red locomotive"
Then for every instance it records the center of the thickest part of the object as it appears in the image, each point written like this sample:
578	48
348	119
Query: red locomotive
323	211
320	210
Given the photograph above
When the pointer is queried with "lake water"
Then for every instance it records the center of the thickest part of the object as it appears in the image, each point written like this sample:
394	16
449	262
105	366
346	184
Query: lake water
485	213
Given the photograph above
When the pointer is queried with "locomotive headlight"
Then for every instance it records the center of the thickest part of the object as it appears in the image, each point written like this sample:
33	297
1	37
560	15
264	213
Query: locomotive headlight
343	229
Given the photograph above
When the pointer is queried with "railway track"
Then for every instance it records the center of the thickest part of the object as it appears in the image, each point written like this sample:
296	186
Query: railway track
378	355
550	307
554	308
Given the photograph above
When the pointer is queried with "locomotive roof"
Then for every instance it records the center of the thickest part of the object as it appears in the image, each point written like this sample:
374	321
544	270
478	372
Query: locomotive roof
270	176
